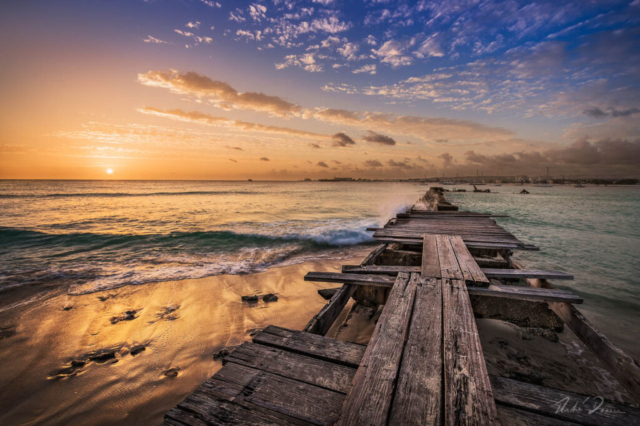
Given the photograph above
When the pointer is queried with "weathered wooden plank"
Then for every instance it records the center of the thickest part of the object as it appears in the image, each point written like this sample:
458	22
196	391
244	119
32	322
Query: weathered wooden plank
334	277
468	265
564	405
418	395
526	273
328	293
471	237
345	353
204	407
276	393
526	293
523	313
323	320
430	257
449	267
371	257
302	368
468	397
380	269
491	263
370	398
469	244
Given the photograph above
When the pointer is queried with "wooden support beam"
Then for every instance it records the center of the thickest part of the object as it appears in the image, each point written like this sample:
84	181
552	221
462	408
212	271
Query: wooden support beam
380	269
468	397
504	291
360	279
323	320
526	293
525	273
469	244
563	405
369	400
312	345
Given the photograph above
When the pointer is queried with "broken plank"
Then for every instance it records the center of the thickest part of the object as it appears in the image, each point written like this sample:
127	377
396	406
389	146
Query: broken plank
468	397
526	293
380	269
369	400
449	267
484	262
526	273
430	258
276	393
417	399
468	265
564	405
345	353
333	277
294	366
323	320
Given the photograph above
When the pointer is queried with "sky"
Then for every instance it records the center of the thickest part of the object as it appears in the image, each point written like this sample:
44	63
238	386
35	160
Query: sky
292	89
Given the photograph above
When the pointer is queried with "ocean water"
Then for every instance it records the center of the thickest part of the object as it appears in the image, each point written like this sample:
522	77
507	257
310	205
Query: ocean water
592	233
100	235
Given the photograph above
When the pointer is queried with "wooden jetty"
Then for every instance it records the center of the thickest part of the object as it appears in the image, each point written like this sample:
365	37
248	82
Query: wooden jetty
437	270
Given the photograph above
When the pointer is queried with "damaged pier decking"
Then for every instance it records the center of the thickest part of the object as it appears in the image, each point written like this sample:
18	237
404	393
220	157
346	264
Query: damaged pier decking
424	365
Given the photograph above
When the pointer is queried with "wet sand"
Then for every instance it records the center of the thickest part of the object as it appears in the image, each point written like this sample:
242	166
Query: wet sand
127	356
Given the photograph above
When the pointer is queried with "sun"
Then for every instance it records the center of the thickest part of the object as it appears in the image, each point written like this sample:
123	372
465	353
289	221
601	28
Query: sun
109	171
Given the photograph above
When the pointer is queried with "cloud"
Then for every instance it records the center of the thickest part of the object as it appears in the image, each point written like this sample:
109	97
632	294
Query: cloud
371	69
394	53
321	164
447	159
400	164
257	11
195	24
611	112
378	138
314	145
341	139
213	4
151	39
425	128
305	61
264	159
331	25
237	148
373	163
218	92
583	156
232	160
203	118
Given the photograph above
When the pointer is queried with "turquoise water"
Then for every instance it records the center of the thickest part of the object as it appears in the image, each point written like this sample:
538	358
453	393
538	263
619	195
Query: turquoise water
92	236
592	233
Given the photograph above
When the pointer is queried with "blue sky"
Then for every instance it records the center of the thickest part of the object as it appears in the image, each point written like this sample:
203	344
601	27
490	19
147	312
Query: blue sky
418	88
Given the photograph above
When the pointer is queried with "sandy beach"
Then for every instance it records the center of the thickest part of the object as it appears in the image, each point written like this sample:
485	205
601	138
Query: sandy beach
127	356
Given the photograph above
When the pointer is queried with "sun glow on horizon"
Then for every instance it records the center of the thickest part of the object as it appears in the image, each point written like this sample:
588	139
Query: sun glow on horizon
109	171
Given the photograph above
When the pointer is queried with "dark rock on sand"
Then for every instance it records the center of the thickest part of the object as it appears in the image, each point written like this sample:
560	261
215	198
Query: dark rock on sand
327	293
270	297
167	313
253	298
137	349
67	308
221	353
172	372
126	316
7	331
